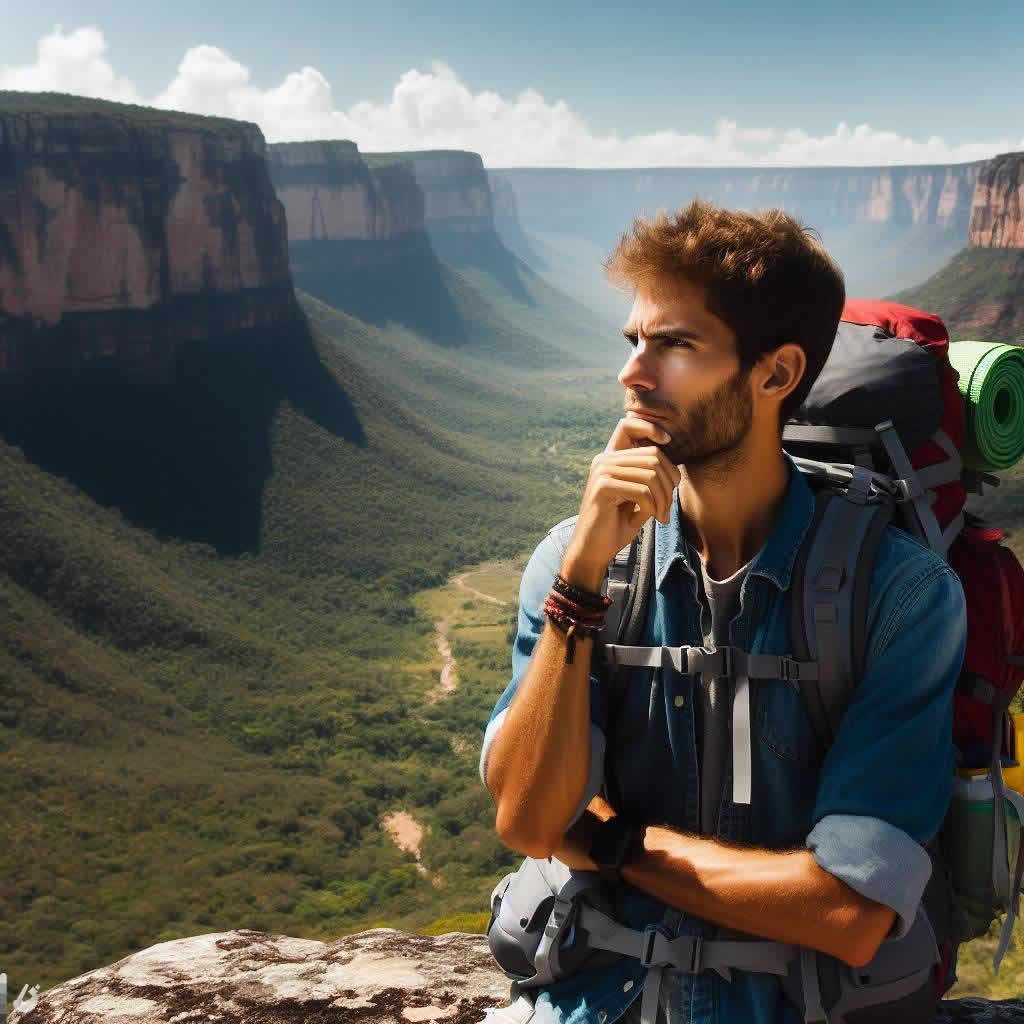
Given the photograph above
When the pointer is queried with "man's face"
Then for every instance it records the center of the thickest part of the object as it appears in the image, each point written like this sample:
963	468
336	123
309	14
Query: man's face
689	380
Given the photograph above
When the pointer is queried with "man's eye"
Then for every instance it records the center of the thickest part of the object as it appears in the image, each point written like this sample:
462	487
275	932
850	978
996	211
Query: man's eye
632	338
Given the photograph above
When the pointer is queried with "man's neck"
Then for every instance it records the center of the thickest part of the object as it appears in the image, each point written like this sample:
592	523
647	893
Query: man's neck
730	508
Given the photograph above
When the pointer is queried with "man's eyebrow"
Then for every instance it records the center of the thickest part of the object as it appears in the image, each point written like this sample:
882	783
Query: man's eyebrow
663	333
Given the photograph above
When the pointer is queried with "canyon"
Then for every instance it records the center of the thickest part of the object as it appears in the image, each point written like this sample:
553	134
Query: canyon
980	291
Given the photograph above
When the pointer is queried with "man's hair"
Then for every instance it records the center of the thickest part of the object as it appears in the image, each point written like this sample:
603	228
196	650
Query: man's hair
766	275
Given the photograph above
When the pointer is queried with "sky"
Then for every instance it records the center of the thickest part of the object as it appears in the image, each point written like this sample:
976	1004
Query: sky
550	84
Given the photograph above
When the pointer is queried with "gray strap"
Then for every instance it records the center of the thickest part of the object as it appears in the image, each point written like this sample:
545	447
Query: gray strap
724	661
815	433
1015	659
688	953
813	1010
840	474
741	754
830	575
910	484
945	472
1000	850
652	989
1011	918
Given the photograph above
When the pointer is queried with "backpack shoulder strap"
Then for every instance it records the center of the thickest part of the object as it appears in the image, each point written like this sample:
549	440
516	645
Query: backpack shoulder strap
829	592
628	584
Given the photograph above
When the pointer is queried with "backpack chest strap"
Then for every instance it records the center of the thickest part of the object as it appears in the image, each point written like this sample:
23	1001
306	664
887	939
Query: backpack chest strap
725	661
731	663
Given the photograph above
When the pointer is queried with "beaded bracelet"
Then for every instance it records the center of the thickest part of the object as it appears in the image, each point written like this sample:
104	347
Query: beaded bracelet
587	598
572	620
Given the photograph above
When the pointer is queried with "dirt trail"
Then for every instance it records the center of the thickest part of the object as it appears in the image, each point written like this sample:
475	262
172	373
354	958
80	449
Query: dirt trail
407	834
449	678
459	581
449	682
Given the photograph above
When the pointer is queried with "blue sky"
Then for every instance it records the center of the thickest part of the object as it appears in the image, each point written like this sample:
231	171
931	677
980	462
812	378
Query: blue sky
559	84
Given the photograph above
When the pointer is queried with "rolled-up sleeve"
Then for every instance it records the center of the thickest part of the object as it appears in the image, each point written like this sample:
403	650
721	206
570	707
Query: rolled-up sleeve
886	781
536	581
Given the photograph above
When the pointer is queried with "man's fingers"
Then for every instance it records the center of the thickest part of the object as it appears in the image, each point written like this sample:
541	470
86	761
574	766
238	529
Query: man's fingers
654	480
631	429
642	492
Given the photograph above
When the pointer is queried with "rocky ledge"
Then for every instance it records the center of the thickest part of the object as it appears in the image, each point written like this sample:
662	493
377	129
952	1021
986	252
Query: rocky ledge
375	976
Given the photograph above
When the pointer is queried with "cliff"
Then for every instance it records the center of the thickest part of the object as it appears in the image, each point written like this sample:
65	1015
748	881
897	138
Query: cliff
889	227
507	225
997	211
456	192
126	230
329	192
375	976
980	292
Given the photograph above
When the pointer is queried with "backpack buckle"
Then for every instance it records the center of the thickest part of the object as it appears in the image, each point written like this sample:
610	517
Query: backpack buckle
651	952
790	670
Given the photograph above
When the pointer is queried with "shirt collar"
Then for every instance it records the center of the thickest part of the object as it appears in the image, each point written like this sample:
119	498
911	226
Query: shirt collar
774	561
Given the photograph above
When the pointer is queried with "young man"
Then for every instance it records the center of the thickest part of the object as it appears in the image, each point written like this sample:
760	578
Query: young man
733	317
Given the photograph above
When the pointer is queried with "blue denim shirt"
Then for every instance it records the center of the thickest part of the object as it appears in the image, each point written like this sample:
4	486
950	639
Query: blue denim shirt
864	808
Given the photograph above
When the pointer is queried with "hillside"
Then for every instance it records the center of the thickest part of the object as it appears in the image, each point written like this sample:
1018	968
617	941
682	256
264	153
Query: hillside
979	294
171	714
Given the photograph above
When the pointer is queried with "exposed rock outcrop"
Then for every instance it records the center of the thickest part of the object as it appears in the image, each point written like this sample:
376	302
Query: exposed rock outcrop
329	192
456	192
375	976
125	231
997	210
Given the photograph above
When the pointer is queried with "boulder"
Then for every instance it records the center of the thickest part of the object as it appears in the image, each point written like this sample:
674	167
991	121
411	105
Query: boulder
374	976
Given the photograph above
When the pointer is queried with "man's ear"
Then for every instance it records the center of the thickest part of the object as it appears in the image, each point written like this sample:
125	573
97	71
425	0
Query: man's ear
783	369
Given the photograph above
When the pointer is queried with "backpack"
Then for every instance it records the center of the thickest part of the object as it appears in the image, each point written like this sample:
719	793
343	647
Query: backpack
867	473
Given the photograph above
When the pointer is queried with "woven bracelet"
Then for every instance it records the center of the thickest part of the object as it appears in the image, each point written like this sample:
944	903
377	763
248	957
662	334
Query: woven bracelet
585	597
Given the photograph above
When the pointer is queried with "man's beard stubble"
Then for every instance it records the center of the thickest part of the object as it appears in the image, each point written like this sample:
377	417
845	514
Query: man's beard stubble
712	430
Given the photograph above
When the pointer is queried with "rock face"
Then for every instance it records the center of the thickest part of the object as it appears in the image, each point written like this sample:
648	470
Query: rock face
997	211
126	230
889	227
825	196
456	192
376	976
329	192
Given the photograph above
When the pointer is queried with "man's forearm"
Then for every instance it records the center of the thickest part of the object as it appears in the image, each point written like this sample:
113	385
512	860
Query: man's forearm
538	766
784	895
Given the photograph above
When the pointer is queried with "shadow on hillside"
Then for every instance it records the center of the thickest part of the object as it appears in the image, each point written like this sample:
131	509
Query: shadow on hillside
398	280
185	453
482	250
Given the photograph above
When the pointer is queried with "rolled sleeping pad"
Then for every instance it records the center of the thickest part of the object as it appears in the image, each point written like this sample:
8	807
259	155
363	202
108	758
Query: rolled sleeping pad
992	384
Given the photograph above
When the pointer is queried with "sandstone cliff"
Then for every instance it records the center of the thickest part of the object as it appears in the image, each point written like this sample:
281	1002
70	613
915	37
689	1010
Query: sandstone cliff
889	227
125	230
375	976
456	192
997	211
329	192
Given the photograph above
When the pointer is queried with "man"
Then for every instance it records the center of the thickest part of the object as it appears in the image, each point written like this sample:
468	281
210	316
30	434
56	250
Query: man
733	317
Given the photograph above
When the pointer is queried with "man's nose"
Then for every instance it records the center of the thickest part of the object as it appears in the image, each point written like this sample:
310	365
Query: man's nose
639	369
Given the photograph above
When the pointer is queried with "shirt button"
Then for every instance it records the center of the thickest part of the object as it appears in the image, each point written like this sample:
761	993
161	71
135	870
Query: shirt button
679	701
627	986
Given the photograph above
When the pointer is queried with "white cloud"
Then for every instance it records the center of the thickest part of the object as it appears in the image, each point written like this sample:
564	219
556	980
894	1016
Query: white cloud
71	63
434	110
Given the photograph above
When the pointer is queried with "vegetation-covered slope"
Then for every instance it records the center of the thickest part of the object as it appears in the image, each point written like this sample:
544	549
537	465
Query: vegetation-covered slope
979	294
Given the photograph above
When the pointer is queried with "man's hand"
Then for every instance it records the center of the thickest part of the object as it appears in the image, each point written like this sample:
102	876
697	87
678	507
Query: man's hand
575	847
629	482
